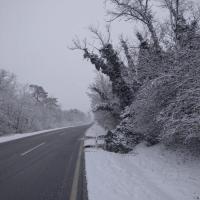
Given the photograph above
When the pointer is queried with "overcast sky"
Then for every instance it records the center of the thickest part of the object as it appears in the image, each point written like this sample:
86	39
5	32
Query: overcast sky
33	44
34	38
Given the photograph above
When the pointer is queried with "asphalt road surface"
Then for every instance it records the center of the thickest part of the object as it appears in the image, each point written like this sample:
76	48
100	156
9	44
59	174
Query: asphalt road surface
42	167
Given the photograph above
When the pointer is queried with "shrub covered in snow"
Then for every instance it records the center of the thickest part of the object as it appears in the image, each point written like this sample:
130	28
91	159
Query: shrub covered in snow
157	87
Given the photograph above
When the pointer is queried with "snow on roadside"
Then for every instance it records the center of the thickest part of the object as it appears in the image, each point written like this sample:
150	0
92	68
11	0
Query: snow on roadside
16	136
95	130
148	173
93	133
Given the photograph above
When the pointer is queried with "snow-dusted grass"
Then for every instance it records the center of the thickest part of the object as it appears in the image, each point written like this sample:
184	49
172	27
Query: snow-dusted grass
148	173
17	136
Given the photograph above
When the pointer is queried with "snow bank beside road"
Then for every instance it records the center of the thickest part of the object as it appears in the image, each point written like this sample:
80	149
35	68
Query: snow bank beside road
95	131
148	173
92	134
16	136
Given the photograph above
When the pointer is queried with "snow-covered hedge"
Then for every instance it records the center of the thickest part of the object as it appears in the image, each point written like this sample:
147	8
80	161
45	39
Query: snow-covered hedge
157	85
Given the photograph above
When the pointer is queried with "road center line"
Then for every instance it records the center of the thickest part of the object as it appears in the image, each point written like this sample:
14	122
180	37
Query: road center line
28	151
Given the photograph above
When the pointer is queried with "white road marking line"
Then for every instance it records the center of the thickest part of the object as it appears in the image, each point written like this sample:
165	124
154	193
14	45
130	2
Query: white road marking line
28	151
74	191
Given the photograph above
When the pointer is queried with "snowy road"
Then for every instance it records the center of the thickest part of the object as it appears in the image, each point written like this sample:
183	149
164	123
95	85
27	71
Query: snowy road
41	167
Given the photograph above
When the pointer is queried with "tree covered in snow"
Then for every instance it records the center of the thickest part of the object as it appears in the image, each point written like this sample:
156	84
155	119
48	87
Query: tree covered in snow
25	108
107	60
158	90
105	105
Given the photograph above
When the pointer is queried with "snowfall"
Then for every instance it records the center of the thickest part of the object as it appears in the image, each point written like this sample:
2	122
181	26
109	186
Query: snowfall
147	173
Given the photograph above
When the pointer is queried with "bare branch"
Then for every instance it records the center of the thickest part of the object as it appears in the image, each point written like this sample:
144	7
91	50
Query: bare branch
138	10
98	34
103	38
78	45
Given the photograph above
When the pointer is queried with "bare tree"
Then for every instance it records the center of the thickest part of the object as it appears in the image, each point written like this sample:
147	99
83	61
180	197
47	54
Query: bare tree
138	10
184	18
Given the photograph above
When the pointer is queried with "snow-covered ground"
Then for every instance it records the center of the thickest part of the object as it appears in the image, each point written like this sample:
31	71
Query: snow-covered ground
148	173
92	134
16	136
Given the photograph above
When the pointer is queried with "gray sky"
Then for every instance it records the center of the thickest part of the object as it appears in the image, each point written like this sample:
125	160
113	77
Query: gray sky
34	38
33	44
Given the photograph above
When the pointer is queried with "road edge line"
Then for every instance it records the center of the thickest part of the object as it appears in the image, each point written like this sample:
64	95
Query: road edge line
74	190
